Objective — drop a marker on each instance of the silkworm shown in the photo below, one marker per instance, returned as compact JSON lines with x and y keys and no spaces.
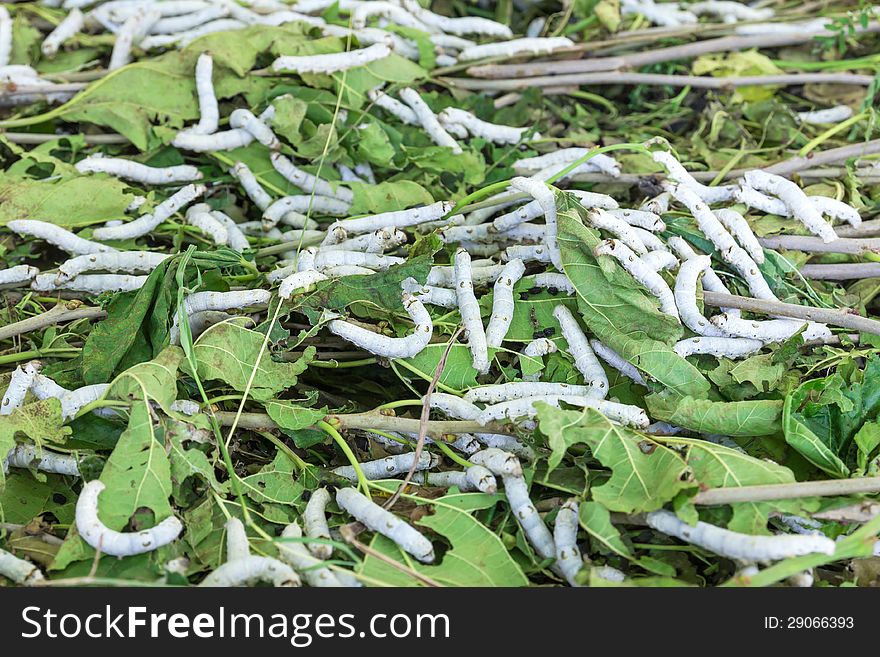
{"x":445,"y":276}
{"x":640,"y":218}
{"x":527,"y":253}
{"x":201,"y":301}
{"x":428,"y":120}
{"x":71,"y":400}
{"x":546,"y":198}
{"x":19,"y":384}
{"x":679,"y":175}
{"x":660,"y":260}
{"x":315,"y":521}
{"x":118,"y":544}
{"x":686,"y":296}
{"x":506,"y":443}
{"x":393,"y":106}
{"x":199,"y":216}
{"x":602,"y":220}
{"x":515,"y":47}
{"x":333,"y":62}
{"x":827,"y":206}
{"x":475,"y":478}
{"x":561,"y":158}
{"x":188,"y":21}
{"x":749,"y":270}
{"x":722,"y":347}
{"x":18,"y":274}
{"x":551,"y":281}
{"x":56,"y":236}
{"x":711,"y":281}
{"x":503,"y":303}
{"x":568,"y":556}
{"x":665,"y":14}
{"x":235,"y":237}
{"x":498,"y":134}
{"x":618,"y":362}
{"x":642,"y":273}
{"x":498,"y":462}
{"x":494,"y":394}
{"x":303,"y":204}
{"x":454,"y":407}
{"x":237,"y":544}
{"x":296,"y":554}
{"x":183,"y":39}
{"x":381,"y":345}
{"x":226,"y":140}
{"x":608,"y":573}
{"x":90,"y":283}
{"x":536,"y":532}
{"x":246,"y":120}
{"x":835,"y":209}
{"x":336,"y":258}
{"x":734,"y":545}
{"x":469,"y":309}
{"x":836,"y":114}
{"x":362,"y":12}
{"x":795,"y":200}
{"x":463,"y":25}
{"x":131,"y":33}
{"x":594,"y":200}
{"x":524,"y":408}
{"x":535,"y":350}
{"x":431,"y":295}
{"x":657,"y":205}
{"x":707,"y":222}
{"x":375,"y":242}
{"x":734,"y":222}
{"x":406,"y":537}
{"x":585,"y":360}
{"x":730,"y":12}
{"x":19,"y":571}
{"x":112,"y":261}
{"x":298,"y":281}
{"x":390,"y":466}
{"x":397,"y":218}
{"x":308,"y":182}
{"x":149,"y":222}
{"x":122,"y":168}
{"x":773,"y":330}
{"x":63,"y":32}
{"x":5,"y":36}
{"x":649,"y":239}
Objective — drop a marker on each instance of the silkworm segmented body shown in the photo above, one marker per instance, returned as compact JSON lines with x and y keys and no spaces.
{"x":503,"y":303}
{"x":514,"y":47}
{"x":618,"y":362}
{"x":722,"y":347}
{"x":469,"y":309}
{"x":112,"y":261}
{"x":568,"y":556}
{"x":385,"y":346}
{"x":390,"y":466}
{"x":428,"y":120}
{"x":122,"y":168}
{"x":315,"y":521}
{"x":333,"y":62}
{"x":527,"y":516}
{"x":149,"y":222}
{"x":57,"y":236}
{"x":686,"y":296}
{"x":774,"y":330}
{"x":297,"y":556}
{"x":642,"y":273}
{"x":584,"y":359}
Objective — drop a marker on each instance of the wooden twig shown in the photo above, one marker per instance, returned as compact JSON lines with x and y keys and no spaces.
{"x":831,"y":156}
{"x":864,"y":229}
{"x":812,"y":244}
{"x":825,"y":488}
{"x":842,"y":272}
{"x":795,"y":311}
{"x":63,"y":312}
{"x":41,"y":138}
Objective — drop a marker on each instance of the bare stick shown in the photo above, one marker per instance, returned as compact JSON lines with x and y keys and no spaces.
{"x":842,"y":272}
{"x":63,"y":312}
{"x":40,"y":138}
{"x":812,"y":244}
{"x":621,"y":77}
{"x":809,"y":313}
{"x":767,"y":492}
{"x":830,"y":156}
{"x":864,"y":229}
{"x":41,"y":89}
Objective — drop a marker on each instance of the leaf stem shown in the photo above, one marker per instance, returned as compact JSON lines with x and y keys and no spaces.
{"x":331,"y":431}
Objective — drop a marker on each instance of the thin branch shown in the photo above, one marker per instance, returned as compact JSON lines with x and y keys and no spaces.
{"x":812,"y":244}
{"x":809,"y":313}
{"x":864,"y":229}
{"x":621,"y":77}
{"x":841,"y":272}
{"x":349,"y":534}
{"x":40,"y":89}
{"x":831,"y":156}
{"x":63,"y":312}
{"x":767,"y":492}
{"x":41,"y":138}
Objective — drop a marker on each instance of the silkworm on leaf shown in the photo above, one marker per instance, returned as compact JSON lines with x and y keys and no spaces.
{"x":548,"y":280}
{"x":397,"y":218}
{"x":445,"y":276}
{"x":19,"y":384}
{"x":237,"y":544}
{"x":527,"y":253}
{"x":428,"y":120}
{"x":469,"y":309}
{"x":251,"y":569}
{"x":584,"y":359}
{"x":686,"y":296}
{"x":130,"y":34}
{"x":640,"y":218}
{"x":315,"y":521}
{"x":624,"y":414}
{"x":594,"y":199}
{"x":225,"y":140}
{"x":602,"y":220}
{"x":722,"y":347}
{"x":711,"y":281}
{"x":113,"y":261}
{"x":503,"y":303}
{"x":5,"y":36}
{"x":527,"y":516}
{"x":246,"y":120}
{"x":336,"y":258}
{"x":545,"y":196}
{"x":534,"y":350}
{"x":199,"y":216}
{"x":57,"y":236}
{"x":381,"y":521}
{"x":707,"y":222}
{"x":129,"y":170}
{"x":498,"y":134}
{"x":836,"y":114}
{"x":749,"y":270}
{"x":149,"y":222}
{"x":297,"y":556}
{"x":560,"y":159}
{"x":63,"y":32}
{"x":390,"y":466}
{"x":773,"y":330}
{"x":118,"y":544}
{"x":568,"y":555}
{"x":494,"y":394}
{"x":235,"y":237}
{"x":333,"y":62}
{"x":475,"y":478}
{"x":660,"y":260}
{"x":90,"y":283}
{"x":795,"y":200}
{"x":308,"y":182}
{"x":385,"y":346}
{"x":679,"y":175}
{"x":618,"y":362}
{"x":734,"y":222}
{"x":454,"y":407}
{"x":298,"y":281}
{"x":12,"y":568}
{"x":515,"y":47}
{"x":18,"y":274}
{"x":642,"y":273}
{"x":463,"y":25}
{"x":431,"y":295}
{"x":734,"y":545}
{"x":261,"y":198}
{"x":393,"y":13}
{"x":730,"y":12}
{"x":393,"y":106}
{"x":498,"y":462}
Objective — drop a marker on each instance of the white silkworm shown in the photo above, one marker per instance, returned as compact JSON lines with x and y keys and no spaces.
{"x":91,"y":283}
{"x":625,"y":414}
{"x":390,"y":466}
{"x":431,"y":295}
{"x":261,"y":198}
{"x":835,"y":209}
{"x":250,"y":569}
{"x":5,"y":36}
{"x":755,"y":199}
{"x":201,"y":301}
{"x":594,"y":199}
{"x":333,"y":62}
{"x":527,"y":253}
{"x":17,"y":570}
{"x":71,"y":400}
{"x":341,"y":271}
{"x":18,"y":274}
{"x":649,"y":239}
{"x":711,"y":281}
{"x":315,"y":521}
{"x":226,"y":140}
{"x":186,"y":406}
{"x":515,"y":47}
{"x":445,"y":276}
{"x":749,"y":270}
{"x":560,"y":159}
{"x":201,"y":322}
{"x":235,"y":238}
{"x":642,"y":273}
{"x":63,"y":32}
{"x":546,"y":198}
{"x":130,"y":34}
{"x":453,"y":42}
{"x":686,"y":297}
{"x":199,"y":216}
{"x":149,"y":222}
{"x":337,"y":258}
{"x":475,"y":478}
{"x":237,"y":544}
{"x":734,"y":545}
{"x":707,"y":222}
{"x":718,"y":346}
{"x":469,"y":309}
{"x":57,"y":236}
{"x":602,"y":220}
{"x":396,"y":15}
{"x":298,"y":281}
{"x":679,"y":175}
{"x":503,"y":303}
{"x":494,"y":394}
{"x":608,"y":573}
{"x":568,"y":556}
{"x":795,"y":200}
{"x":381,"y":345}
{"x":660,"y":260}
{"x":827,"y":206}
{"x":498,"y":462}
{"x":183,"y":39}
{"x":534,"y":351}
{"x":428,"y":120}
{"x":552,"y":281}
{"x":730,"y":12}
{"x":579,"y":348}
{"x":527,"y":516}
{"x":734,"y":222}
{"x":464,"y":25}
{"x":453,"y":406}
{"x":188,"y":21}
{"x":118,"y":544}
{"x":112,"y":261}
{"x":375,"y":242}
{"x":498,"y":134}
{"x":365,"y":171}
{"x":381,"y":521}
{"x":836,"y":114}
{"x":393,"y":106}
{"x":246,"y":120}
{"x":641,"y":219}
{"x":773,"y":330}
{"x":308,"y":182}
{"x":658,"y":204}
{"x":297,"y":555}
{"x":397,"y":218}
{"x":666,"y":13}
{"x":618,"y":362}
{"x":122,"y":168}
{"x":304,"y":204}
{"x":19,"y":384}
